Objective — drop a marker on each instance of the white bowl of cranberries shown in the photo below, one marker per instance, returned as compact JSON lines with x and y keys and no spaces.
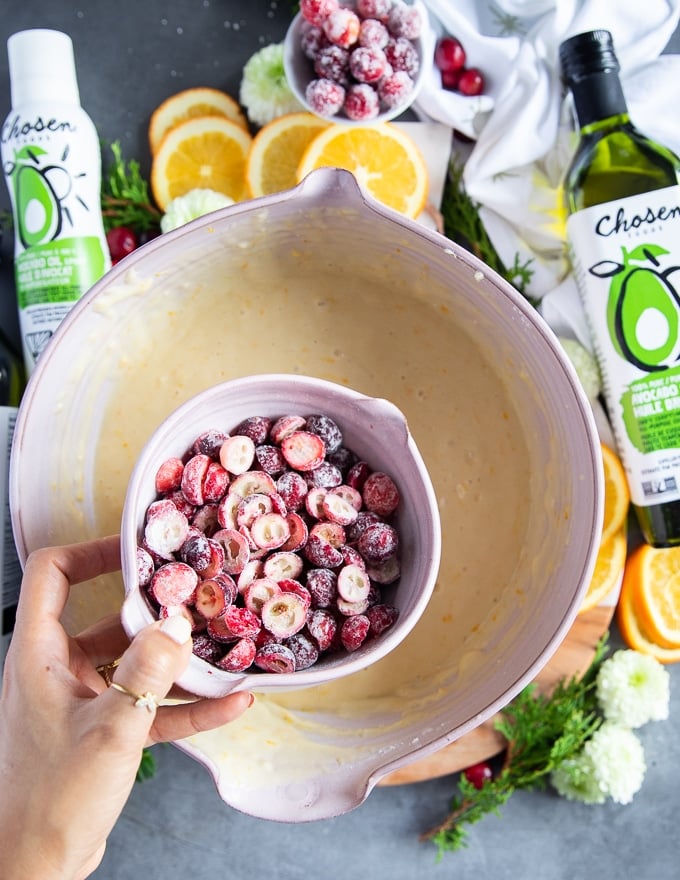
{"x":292,"y":521}
{"x":358,"y":61}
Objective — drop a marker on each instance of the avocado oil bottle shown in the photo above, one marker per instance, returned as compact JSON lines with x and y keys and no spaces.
{"x":623,"y":204}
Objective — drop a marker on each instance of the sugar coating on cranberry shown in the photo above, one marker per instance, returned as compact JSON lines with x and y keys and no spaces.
{"x":342,"y":27}
{"x":404,"y":21}
{"x":269,"y":570}
{"x":378,"y":9}
{"x":325,"y":96}
{"x":333,"y":63}
{"x":395,"y":89}
{"x":373,"y":34}
{"x":402,"y":55}
{"x":327,"y":429}
{"x":362,"y":102}
{"x":368,"y":64}
{"x":315,"y":11}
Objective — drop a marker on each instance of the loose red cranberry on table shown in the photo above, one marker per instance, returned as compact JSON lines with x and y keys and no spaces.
{"x":449,"y":54}
{"x":471,"y":82}
{"x":274,"y":553}
{"x":478,"y":774}
{"x":450,"y":59}
{"x":121,"y":241}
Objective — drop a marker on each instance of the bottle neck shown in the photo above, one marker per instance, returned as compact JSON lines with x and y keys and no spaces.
{"x":598,"y":97}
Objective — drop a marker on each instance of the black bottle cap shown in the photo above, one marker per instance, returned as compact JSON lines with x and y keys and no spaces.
{"x":585,"y":54}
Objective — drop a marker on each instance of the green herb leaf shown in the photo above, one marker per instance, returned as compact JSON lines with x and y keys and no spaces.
{"x":125,"y":199}
{"x":541,"y":732}
{"x":147,"y":766}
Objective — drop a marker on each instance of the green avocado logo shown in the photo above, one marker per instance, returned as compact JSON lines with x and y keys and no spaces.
{"x":643,"y":307}
{"x":41,"y":195}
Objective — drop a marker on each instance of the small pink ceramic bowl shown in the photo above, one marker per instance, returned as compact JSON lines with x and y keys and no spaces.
{"x":372,"y":428}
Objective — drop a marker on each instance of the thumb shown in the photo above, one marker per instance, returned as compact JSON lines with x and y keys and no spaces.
{"x":147,"y":670}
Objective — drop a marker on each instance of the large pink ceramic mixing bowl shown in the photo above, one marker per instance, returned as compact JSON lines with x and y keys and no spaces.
{"x":322,"y":281}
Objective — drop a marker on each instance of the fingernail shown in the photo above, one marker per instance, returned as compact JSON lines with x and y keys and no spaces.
{"x":177,"y":628}
{"x":251,"y":700}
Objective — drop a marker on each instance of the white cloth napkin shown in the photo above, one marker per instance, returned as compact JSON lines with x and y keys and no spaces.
{"x":523,"y":125}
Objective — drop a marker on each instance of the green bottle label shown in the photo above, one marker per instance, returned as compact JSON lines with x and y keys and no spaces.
{"x":58,"y":272}
{"x":52,"y":167}
{"x":626,"y":258}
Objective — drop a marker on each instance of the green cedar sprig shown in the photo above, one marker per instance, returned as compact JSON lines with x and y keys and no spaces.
{"x":463,"y":225}
{"x":147,"y":766}
{"x":125,"y":196}
{"x":541,"y":731}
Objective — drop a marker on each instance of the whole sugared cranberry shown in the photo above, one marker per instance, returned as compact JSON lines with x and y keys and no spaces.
{"x":449,"y":54}
{"x":332,"y":62}
{"x":404,"y":21}
{"x":325,"y":97}
{"x":367,"y":64}
{"x":394,"y":90}
{"x":312,"y":41}
{"x":373,"y":33}
{"x":402,"y":55}
{"x":361,"y":102}
{"x":315,"y":11}
{"x":379,"y":9}
{"x":471,"y":82}
{"x":342,"y":27}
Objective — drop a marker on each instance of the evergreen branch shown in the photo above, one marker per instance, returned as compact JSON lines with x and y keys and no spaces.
{"x":463,"y":225}
{"x":125,"y":199}
{"x":147,"y":766}
{"x":541,"y":732}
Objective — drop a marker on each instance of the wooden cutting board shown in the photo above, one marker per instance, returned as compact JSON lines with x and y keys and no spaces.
{"x":572,"y":658}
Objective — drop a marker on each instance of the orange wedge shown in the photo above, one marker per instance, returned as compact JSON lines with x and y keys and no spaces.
{"x":646,"y":576}
{"x":616,"y":493}
{"x":385,"y":161}
{"x":190,"y":104}
{"x":611,"y":559}
{"x":208,"y":152}
{"x":277,"y":150}
{"x":653,"y":575}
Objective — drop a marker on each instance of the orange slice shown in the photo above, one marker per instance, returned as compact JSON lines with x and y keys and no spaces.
{"x":633,"y":628}
{"x":385,"y":161}
{"x":653,"y":575}
{"x":277,"y":150}
{"x":204,"y":153}
{"x":616,"y":493}
{"x":190,"y":104}
{"x":609,"y":566}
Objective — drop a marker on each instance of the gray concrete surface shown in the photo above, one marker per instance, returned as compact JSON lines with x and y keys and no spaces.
{"x":130,"y":56}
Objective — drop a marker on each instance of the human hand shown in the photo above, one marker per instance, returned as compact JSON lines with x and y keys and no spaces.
{"x":69,"y":746}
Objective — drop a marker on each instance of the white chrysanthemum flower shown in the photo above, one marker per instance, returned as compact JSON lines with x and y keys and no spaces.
{"x":193,"y":204}
{"x":575,"y":780}
{"x":632,"y":689}
{"x":265,"y":92}
{"x":585,"y":365}
{"x":618,"y":761}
